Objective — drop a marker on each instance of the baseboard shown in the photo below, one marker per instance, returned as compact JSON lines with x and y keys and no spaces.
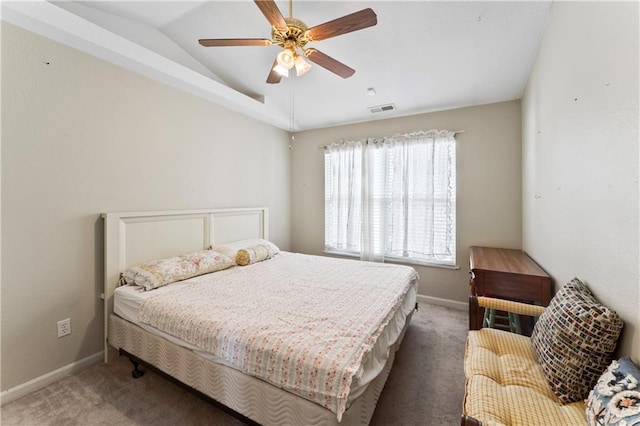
{"x":39,"y":382}
{"x":443,"y":302}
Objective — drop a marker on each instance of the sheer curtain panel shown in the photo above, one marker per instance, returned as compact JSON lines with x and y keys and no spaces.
{"x":343,"y":196}
{"x":392,"y":197}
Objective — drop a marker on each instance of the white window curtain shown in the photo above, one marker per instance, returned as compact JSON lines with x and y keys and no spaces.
{"x":392,"y":197}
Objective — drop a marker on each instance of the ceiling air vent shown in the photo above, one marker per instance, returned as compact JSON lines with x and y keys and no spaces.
{"x":382,"y":108}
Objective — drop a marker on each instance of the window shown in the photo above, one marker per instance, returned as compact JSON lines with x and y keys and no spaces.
{"x":392,"y":198}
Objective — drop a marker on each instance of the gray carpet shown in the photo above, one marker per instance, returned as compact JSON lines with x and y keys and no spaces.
{"x":425,"y":387}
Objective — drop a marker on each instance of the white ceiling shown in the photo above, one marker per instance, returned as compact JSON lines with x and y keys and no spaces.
{"x":421,"y":56}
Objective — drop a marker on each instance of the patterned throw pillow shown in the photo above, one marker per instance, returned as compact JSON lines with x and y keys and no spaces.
{"x":615,"y":400}
{"x":161,"y":272}
{"x":574,"y":339}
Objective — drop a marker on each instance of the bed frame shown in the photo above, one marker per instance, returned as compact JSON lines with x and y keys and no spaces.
{"x":135,"y":237}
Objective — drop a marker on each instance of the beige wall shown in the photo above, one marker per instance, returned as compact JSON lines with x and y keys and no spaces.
{"x":80,"y":137}
{"x":580,"y":155}
{"x":488,"y":184}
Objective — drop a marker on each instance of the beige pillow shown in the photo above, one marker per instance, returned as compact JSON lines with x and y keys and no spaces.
{"x":231,"y":249}
{"x":253,"y":254}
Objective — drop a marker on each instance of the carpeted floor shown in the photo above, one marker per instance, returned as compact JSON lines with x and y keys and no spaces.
{"x":425,"y":387}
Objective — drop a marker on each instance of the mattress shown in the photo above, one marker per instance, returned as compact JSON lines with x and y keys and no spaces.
{"x":129,"y":300}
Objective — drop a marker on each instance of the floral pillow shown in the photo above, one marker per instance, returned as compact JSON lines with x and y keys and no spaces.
{"x":615,"y":400}
{"x":161,"y":272}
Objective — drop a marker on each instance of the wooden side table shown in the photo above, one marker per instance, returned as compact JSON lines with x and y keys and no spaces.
{"x":508,"y":274}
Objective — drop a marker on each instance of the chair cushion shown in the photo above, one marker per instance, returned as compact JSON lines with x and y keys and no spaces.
{"x":506,"y":386}
{"x":574,"y":340}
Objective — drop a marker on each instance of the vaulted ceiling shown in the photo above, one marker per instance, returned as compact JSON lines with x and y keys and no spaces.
{"x":421,"y":56}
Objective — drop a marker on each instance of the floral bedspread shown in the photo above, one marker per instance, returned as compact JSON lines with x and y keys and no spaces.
{"x":303,"y":323}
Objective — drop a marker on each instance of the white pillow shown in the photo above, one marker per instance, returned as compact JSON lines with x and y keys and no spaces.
{"x":231,"y":249}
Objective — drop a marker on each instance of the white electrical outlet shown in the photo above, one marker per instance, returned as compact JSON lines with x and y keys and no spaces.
{"x":64,"y":327}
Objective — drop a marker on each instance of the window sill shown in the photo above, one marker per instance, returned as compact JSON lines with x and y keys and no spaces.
{"x":395,"y":260}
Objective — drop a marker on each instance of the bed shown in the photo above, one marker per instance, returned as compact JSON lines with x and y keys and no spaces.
{"x":266,"y":388}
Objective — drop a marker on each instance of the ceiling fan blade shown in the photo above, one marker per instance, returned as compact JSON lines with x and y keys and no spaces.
{"x":274,"y":77}
{"x":221,"y":42}
{"x":329,"y":63}
{"x":270,"y":11}
{"x":353,"y":22}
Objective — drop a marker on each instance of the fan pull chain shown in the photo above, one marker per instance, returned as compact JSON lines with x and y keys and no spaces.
{"x":292,"y":105}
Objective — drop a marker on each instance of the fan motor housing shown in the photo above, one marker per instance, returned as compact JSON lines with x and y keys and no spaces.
{"x":295,"y":32}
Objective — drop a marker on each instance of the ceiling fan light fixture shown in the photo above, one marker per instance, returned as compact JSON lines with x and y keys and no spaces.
{"x":286,"y":58}
{"x":283,"y":71}
{"x":302,"y":66}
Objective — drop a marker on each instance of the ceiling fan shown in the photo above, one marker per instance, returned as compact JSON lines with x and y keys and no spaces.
{"x":293,"y":35}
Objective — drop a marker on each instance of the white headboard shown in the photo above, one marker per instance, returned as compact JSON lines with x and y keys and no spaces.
{"x":131,"y":238}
